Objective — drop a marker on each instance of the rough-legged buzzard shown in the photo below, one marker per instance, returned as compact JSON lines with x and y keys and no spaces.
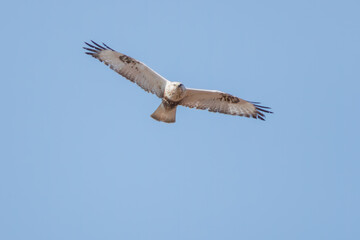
{"x":173,"y":93}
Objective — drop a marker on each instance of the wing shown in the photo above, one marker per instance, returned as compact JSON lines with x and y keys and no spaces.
{"x":216,"y":101}
{"x":129,"y":68}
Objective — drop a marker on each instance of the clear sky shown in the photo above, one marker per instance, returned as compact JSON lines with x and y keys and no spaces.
{"x":81,"y":158}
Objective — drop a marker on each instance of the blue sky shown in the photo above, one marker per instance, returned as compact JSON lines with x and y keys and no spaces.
{"x":81,"y":158}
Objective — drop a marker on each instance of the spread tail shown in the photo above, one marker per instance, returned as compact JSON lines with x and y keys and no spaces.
{"x":166,"y":112}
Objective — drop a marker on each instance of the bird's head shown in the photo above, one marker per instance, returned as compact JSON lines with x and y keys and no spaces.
{"x":175,"y":91}
{"x":180,"y":86}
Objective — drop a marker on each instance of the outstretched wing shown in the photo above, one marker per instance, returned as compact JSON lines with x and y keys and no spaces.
{"x":129,"y":68}
{"x":216,"y":101}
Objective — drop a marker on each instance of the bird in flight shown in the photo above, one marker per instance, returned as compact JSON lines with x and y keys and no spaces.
{"x":173,"y":93}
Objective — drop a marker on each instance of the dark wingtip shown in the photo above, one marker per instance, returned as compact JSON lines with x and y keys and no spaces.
{"x":98,"y":45}
{"x":95,"y":47}
{"x":108,"y":47}
{"x":260,"y":110}
{"x":261,"y":118}
{"x":89,"y":49}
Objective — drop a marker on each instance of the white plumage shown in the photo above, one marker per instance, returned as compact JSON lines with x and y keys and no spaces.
{"x":173,"y":93}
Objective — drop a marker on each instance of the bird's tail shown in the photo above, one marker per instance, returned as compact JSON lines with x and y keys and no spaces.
{"x":166,"y":112}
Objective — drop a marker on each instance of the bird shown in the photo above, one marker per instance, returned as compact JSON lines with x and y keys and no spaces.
{"x":171,"y":93}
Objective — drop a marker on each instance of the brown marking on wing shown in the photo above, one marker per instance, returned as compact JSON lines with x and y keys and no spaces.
{"x":128,"y":60}
{"x":228,"y":98}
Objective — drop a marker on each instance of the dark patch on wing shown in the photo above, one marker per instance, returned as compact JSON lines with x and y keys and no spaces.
{"x":229,"y":98}
{"x":127,"y":59}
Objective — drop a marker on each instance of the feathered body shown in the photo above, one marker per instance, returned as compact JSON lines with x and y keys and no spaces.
{"x":173,"y":93}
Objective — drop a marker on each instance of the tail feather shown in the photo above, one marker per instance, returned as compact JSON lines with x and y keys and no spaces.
{"x":166,"y":112}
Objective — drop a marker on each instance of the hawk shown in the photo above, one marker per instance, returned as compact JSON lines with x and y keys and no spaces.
{"x":173,"y":93}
